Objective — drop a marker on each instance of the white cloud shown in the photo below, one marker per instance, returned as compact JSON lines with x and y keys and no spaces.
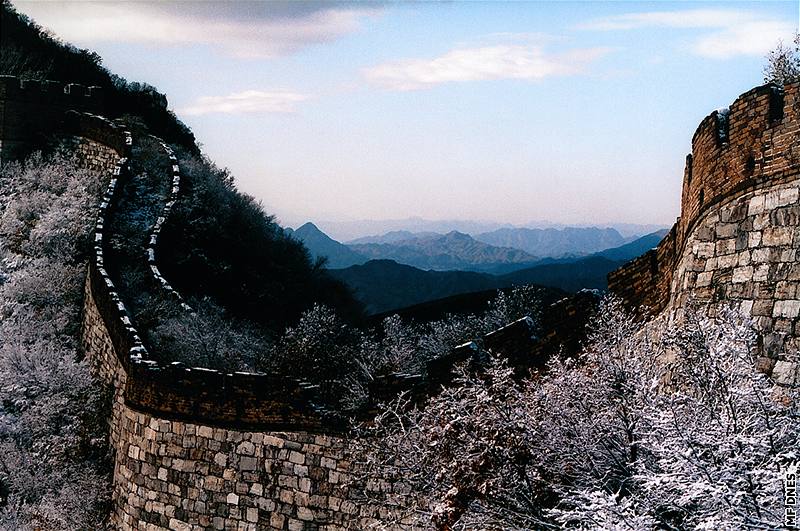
{"x":474,"y":64}
{"x":690,"y":18}
{"x":247,"y":102}
{"x":241,"y":29}
{"x":732,"y":32}
{"x":753,"y":38}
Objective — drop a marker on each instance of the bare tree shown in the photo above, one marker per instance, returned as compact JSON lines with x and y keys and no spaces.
{"x":54,"y":467}
{"x":783,"y":63}
{"x":665,"y":426}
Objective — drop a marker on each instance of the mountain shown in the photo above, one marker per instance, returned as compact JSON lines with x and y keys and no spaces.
{"x":590,"y":272}
{"x":347,"y":231}
{"x":554,"y":242}
{"x":627,"y":230}
{"x":394,"y":237}
{"x":636,"y":248}
{"x":320,"y":244}
{"x":474,"y":302}
{"x":454,"y":250}
{"x":385,"y":285}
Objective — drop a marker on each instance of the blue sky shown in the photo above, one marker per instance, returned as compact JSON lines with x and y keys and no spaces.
{"x":513,"y":112}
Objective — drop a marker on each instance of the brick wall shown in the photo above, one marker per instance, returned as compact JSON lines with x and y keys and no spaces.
{"x":753,"y":144}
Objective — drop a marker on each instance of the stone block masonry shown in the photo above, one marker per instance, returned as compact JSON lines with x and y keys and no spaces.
{"x":738,"y":235}
{"x":176,"y":475}
{"x":746,"y":252}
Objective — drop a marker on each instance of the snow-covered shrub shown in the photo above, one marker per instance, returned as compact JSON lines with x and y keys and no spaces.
{"x":325,"y":351}
{"x":209,"y":338}
{"x":665,"y":426}
{"x":54,"y":468}
{"x":412,"y":345}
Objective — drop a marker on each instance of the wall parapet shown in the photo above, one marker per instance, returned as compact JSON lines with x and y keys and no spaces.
{"x":32,"y":111}
{"x":175,"y":189}
{"x":751,"y":144}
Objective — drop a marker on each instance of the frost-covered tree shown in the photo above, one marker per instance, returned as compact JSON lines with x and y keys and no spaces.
{"x":54,"y":468}
{"x":783,"y":63}
{"x":207,"y":337}
{"x":325,"y":351}
{"x":466,"y":453}
{"x":665,"y":426}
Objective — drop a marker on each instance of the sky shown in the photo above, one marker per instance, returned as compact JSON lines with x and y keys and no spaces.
{"x":516,"y":112}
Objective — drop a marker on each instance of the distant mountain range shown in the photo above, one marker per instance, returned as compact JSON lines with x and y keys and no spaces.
{"x":635,"y":248}
{"x":385,"y":285}
{"x":454,"y":250}
{"x":403,"y":268}
{"x":554,"y":242}
{"x":393,"y":237}
{"x":498,"y":252}
{"x":346,"y":231}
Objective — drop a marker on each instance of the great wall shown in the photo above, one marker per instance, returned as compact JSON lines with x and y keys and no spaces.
{"x":738,"y":233}
{"x":200,"y":449}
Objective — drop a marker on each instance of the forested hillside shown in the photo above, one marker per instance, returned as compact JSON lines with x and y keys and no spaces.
{"x":30,"y":52}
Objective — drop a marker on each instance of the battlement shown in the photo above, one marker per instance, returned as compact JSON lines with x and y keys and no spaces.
{"x":69,"y":95}
{"x":753,"y":144}
{"x":31,"y":112}
{"x":739,"y":147}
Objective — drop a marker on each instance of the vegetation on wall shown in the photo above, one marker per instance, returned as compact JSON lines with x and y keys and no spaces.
{"x":783,"y":63}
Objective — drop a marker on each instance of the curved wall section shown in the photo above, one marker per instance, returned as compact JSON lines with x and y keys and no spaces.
{"x":177,"y":475}
{"x":753,"y":144}
{"x":746,"y":251}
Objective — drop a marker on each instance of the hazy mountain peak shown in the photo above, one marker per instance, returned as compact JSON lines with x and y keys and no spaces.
{"x":320,"y":244}
{"x":310,"y":227}
{"x":567,"y":241}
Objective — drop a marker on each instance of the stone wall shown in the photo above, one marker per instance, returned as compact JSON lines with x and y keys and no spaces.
{"x":193,"y":448}
{"x":32,"y":112}
{"x":196,"y":448}
{"x":175,"y":474}
{"x":754,"y":143}
{"x":738,"y":235}
{"x":95,"y":140}
{"x":745,"y":252}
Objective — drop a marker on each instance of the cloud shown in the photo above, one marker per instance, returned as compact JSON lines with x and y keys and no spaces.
{"x":241,"y":29}
{"x":247,"y":102}
{"x":506,"y":61}
{"x":733,"y":32}
{"x":691,"y":18}
{"x":754,"y":38}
